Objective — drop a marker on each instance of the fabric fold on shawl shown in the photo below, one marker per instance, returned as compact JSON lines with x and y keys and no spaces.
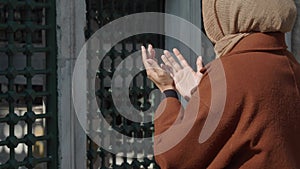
{"x":226,"y":22}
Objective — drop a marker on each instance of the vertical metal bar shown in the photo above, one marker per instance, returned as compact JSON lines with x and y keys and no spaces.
{"x":88,"y":34}
{"x":11,"y":81}
{"x":29,"y":79}
{"x":51,"y":60}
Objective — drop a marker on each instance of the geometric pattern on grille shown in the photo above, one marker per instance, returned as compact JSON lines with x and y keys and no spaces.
{"x":99,"y":13}
{"x":28,"y":103}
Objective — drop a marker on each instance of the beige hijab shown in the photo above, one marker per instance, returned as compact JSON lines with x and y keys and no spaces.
{"x":227,"y":21}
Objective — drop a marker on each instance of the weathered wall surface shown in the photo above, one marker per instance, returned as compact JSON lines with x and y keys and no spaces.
{"x":70,"y":39}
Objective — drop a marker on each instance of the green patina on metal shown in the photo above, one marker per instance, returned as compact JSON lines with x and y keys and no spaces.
{"x":28,"y":83}
{"x":99,"y":13}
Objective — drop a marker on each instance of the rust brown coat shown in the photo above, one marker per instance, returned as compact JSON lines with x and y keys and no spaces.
{"x":260,"y":126}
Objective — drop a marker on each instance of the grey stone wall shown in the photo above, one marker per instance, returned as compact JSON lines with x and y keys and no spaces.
{"x":70,"y":39}
{"x":296,"y":34}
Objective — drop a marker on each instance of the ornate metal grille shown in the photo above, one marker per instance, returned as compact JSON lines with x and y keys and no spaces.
{"x":99,"y":13}
{"x":28,"y":113}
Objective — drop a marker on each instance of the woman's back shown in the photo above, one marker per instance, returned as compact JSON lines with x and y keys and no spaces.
{"x":260,"y":122}
{"x":263,"y":81}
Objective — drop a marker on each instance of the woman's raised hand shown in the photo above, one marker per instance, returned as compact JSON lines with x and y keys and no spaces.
{"x":159,"y":76}
{"x":185,"y":78}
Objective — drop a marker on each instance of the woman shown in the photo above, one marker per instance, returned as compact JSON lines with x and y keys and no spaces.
{"x":259,"y":127}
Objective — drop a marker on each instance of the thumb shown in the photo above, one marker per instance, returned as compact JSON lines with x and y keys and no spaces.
{"x":199,"y":63}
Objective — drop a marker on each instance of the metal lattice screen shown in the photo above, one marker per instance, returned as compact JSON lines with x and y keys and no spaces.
{"x":28,"y":114}
{"x":99,"y":13}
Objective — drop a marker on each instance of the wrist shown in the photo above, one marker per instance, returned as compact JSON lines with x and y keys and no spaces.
{"x":165,"y":88}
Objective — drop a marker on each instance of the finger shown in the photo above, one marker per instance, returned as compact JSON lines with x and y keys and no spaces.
{"x":151,"y":52}
{"x":172,"y":61}
{"x":199,"y":63}
{"x":168,"y":63}
{"x":144,"y":55}
{"x":181,"y":59}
